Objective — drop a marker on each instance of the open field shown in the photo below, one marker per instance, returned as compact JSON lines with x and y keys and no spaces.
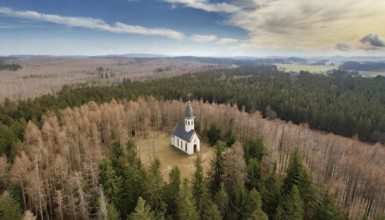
{"x":321,"y":69}
{"x":157,"y":145}
{"x":46,"y":75}
{"x":371,"y":73}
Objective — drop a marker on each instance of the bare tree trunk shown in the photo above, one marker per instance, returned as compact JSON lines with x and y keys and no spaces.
{"x":60,"y":203}
{"x":39,"y":194}
{"x":82,"y":200}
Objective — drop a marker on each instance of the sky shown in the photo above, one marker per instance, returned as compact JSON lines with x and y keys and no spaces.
{"x":221,"y":28}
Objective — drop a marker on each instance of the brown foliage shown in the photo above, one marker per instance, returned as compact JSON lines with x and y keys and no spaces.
{"x":234,"y":165}
{"x":57,"y":167}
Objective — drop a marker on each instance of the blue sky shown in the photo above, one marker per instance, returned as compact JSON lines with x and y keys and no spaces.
{"x":193,"y":27}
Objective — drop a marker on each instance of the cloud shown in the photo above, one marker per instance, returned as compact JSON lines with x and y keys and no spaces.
{"x":203,"y":38}
{"x":373,"y":40}
{"x":91,"y":23}
{"x":206,"y":5}
{"x":342,"y":47}
{"x":311,"y":25}
{"x":227,"y":41}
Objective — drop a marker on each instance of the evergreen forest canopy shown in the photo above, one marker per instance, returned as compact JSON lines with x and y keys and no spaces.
{"x":342,"y":105}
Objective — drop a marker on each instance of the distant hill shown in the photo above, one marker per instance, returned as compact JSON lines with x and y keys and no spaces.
{"x":132,"y":56}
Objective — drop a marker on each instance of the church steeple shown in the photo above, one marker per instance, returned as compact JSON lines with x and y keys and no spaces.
{"x":189,"y":118}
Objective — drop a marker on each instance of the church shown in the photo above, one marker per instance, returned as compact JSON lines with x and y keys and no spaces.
{"x":184,"y":137}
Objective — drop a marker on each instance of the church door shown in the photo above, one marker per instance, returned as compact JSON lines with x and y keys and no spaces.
{"x":195,"y":148}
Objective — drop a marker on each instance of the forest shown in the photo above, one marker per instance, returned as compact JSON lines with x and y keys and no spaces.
{"x":363,"y":66}
{"x":351,"y":107}
{"x":60,"y":166}
{"x":65,"y":156}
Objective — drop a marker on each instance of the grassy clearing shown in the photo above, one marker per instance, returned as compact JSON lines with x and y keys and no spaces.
{"x":320,"y":69}
{"x":371,"y":74}
{"x":157,"y":145}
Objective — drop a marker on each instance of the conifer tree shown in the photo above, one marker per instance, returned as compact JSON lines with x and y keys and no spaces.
{"x":213,"y":134}
{"x":253,"y":174}
{"x":9,"y":208}
{"x":142,"y":211}
{"x":222,"y":200}
{"x":298,"y":175}
{"x":187,"y":208}
{"x":111,"y":182}
{"x":253,"y":207}
{"x":254,"y":149}
{"x":112,"y":213}
{"x":132,"y":155}
{"x":216,"y":170}
{"x":246,"y":205}
{"x":172,"y":192}
{"x":135,"y":179}
{"x":271,"y":192}
{"x":154,"y":188}
{"x":210,"y":211}
{"x":118,"y":160}
{"x":230,"y":138}
{"x":290,"y":207}
{"x":199,"y":189}
{"x":328,"y":210}
{"x":237,"y":204}
{"x":206,"y":208}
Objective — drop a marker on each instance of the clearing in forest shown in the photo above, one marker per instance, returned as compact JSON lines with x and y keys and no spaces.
{"x":157,"y":145}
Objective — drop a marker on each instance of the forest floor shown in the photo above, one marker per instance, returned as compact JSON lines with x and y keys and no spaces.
{"x":157,"y":145}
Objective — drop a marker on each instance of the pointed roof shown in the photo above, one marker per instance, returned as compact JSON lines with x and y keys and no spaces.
{"x":189,"y":111}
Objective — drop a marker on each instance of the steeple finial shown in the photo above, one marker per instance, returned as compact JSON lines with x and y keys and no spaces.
{"x":189,"y":111}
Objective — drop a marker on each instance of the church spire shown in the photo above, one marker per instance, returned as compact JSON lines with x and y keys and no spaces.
{"x":189,"y":118}
{"x":189,"y":111}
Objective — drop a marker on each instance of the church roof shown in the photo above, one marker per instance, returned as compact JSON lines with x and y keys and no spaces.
{"x":181,"y":133}
{"x":189,"y":111}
